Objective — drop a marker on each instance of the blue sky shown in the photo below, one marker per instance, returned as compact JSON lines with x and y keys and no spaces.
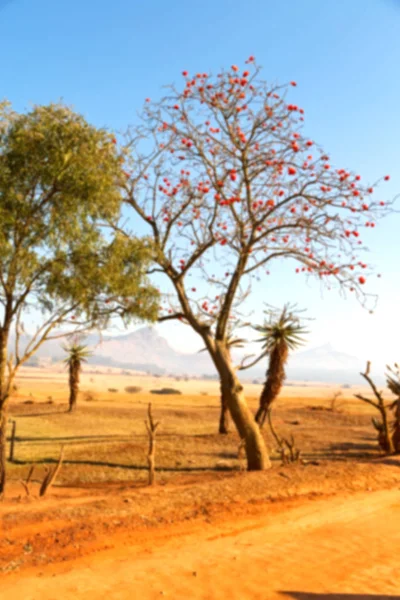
{"x":104,"y":58}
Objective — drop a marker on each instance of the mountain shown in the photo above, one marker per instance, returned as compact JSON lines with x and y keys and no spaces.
{"x":142,"y":350}
{"x":324,"y":357}
{"x":324,"y":363}
{"x":146,"y":350}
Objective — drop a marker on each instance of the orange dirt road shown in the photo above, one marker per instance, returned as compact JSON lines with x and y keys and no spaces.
{"x":343,"y":547}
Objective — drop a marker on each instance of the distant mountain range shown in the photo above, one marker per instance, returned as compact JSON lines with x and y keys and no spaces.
{"x":146,"y":350}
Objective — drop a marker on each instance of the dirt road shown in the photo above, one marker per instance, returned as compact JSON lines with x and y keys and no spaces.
{"x":342,"y":547}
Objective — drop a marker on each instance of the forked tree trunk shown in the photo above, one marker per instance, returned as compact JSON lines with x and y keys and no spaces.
{"x":224,"y":414}
{"x":249,"y":431}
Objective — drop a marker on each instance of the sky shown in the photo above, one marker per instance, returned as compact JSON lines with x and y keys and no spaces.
{"x":104,"y":58}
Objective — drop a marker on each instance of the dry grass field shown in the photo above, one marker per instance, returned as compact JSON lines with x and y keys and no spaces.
{"x":105,"y":439}
{"x":100,"y":510}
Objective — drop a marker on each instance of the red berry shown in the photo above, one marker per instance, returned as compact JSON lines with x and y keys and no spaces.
{"x":361,"y":280}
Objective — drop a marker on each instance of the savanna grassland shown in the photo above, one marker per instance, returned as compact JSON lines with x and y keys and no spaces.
{"x":106,"y":441}
{"x":101,"y":509}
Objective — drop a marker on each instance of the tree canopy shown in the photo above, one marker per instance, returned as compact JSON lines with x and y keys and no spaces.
{"x":231,"y":183}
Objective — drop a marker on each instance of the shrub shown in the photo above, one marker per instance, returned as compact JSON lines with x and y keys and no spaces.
{"x":166,"y":391}
{"x":90,"y":397}
{"x":133,"y":389}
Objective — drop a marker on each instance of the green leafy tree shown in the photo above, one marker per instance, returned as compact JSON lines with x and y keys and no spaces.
{"x":280,"y":333}
{"x":76,"y":355}
{"x":60,"y":183}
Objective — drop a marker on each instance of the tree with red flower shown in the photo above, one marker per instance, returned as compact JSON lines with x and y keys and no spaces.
{"x":229,"y":185}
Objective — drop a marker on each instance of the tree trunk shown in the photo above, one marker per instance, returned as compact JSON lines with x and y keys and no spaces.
{"x":261,"y":413}
{"x":274,"y":382}
{"x":73,"y":386}
{"x":72,"y":400}
{"x":386,"y":430}
{"x":3,"y":409}
{"x":12,"y":441}
{"x":224,"y":415}
{"x":256,"y":451}
{"x":396,"y":427}
{"x":3,"y":446}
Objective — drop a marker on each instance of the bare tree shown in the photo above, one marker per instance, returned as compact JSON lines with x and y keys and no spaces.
{"x":228,"y":184}
{"x":385,"y":438}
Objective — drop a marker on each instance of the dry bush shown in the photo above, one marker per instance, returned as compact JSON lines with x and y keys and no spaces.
{"x":112,"y":390}
{"x":90,"y":397}
{"x":335,"y":406}
{"x":133,"y":389}
{"x":287,"y":449}
{"x":384,"y":435}
{"x":51,"y":474}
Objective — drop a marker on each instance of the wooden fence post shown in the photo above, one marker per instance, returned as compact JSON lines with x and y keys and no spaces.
{"x":151,"y":430}
{"x":12,"y":441}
